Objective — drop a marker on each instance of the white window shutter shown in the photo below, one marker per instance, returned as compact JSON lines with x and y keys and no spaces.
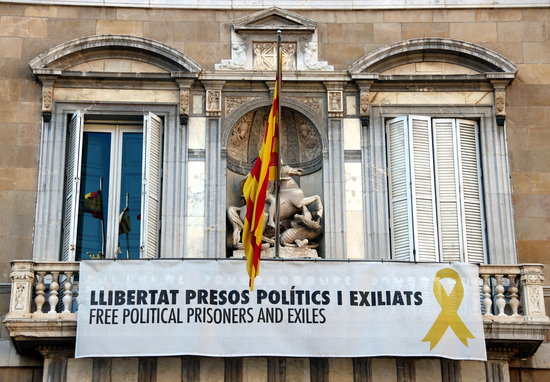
{"x":400,"y":191}
{"x":72,"y":186}
{"x":423,"y":193}
{"x":470,"y":174}
{"x":447,"y":189}
{"x":150,"y":208}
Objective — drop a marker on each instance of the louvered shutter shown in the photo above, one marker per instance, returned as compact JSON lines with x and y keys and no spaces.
{"x":150,"y":209}
{"x":447,"y":189}
{"x":400,"y":192}
{"x":470,"y":171}
{"x":423,"y":193}
{"x":72,"y":186}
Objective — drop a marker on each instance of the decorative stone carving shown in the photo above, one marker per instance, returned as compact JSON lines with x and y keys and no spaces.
{"x":213,"y":104}
{"x":231,"y":103}
{"x":238,"y":140}
{"x":23,"y":276}
{"x":313,"y":103}
{"x":265,"y":55}
{"x":301,"y":144}
{"x":238,"y":57}
{"x":19,"y":298}
{"x":47,"y":98}
{"x":311,"y":62}
{"x":500,"y":101}
{"x":298,"y":226}
{"x":532,"y":295}
{"x":306,"y":135}
{"x":184,"y":102}
{"x":365,"y":103}
{"x":335,"y":101}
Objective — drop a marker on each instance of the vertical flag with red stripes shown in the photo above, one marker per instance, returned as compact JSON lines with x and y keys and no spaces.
{"x":255,"y":188}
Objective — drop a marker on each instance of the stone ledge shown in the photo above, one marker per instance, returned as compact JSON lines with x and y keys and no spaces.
{"x":515,"y":339}
{"x":30,"y":335}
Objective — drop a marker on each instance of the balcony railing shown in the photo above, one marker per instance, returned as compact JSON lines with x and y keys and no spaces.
{"x":44,"y":299}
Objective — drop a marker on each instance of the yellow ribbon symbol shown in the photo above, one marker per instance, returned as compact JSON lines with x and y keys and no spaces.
{"x":449,"y":306}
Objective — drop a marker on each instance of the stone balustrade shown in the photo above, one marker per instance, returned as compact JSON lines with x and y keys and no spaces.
{"x":512,"y":293}
{"x":44,"y":297}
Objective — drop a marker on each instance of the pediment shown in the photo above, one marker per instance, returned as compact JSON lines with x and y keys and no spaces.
{"x":274,"y":19}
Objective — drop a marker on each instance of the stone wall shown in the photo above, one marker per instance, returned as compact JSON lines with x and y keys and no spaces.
{"x":521,"y":35}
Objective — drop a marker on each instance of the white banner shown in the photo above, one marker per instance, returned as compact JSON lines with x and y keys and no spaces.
{"x":298,"y":309}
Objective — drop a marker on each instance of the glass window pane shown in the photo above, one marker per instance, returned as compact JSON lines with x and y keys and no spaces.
{"x":130,"y":196}
{"x":94,"y":194}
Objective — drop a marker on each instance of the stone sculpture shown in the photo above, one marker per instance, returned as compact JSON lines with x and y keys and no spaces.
{"x":299,"y":226}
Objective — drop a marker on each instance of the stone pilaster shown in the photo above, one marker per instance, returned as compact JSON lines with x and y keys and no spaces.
{"x":215,"y":186}
{"x":532,"y":293}
{"x":22,"y":277}
{"x":55,"y":363}
{"x":335,"y":191}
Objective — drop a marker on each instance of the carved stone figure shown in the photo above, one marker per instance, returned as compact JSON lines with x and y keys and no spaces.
{"x":311,"y":62}
{"x":212,"y":100}
{"x":299,"y":227}
{"x":237,"y":60}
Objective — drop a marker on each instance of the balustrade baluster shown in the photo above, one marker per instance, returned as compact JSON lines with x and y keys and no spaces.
{"x":40,"y":288}
{"x":68,"y":293}
{"x":499,"y":290}
{"x":487,"y":301}
{"x":54,"y":290}
{"x":513,"y":291}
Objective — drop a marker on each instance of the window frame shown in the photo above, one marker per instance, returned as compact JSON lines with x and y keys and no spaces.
{"x":48,"y":233}
{"x":500,"y":239}
{"x":453,"y":209}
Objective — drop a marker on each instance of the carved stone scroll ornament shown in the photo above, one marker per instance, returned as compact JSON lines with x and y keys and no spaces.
{"x":298,"y":226}
{"x":47,"y":100}
{"x":365,"y":102}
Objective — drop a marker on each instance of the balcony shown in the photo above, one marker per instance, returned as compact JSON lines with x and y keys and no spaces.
{"x":44,"y":301}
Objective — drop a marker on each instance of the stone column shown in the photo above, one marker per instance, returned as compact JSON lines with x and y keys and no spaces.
{"x":334,"y":175}
{"x":55,"y":363}
{"x":215,"y":194}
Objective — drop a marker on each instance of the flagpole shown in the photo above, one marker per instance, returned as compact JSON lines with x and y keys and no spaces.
{"x":128,"y":232}
{"x":278,"y":180}
{"x":102,"y":218}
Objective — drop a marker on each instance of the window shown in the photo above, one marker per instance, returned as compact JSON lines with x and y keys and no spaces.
{"x":112,"y":200}
{"x":435,"y":200}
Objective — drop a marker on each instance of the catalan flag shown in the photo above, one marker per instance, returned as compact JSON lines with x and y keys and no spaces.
{"x":255,"y":189}
{"x":93,"y":204}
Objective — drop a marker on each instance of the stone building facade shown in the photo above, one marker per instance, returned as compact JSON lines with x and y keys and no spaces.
{"x":358,"y":79}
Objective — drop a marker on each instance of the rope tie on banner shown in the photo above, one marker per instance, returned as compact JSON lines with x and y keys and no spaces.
{"x":448,"y":317}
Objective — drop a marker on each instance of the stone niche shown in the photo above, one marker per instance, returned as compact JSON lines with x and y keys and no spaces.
{"x":301,"y":147}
